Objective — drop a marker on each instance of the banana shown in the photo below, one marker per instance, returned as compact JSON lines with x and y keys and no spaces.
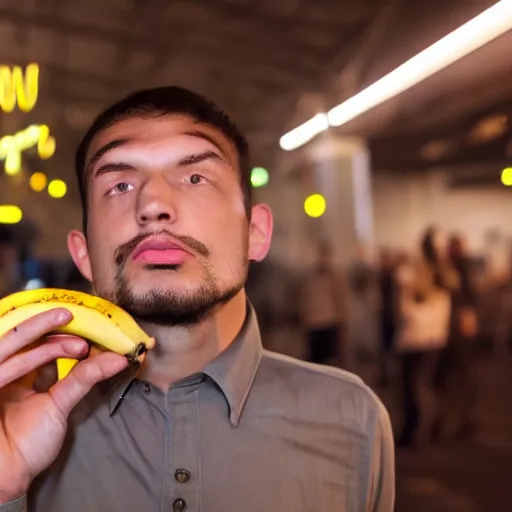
{"x":95,"y":319}
{"x":118,"y":315}
{"x":64,"y":366}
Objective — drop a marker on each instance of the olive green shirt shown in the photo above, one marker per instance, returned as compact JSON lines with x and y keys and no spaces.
{"x":254,"y":432}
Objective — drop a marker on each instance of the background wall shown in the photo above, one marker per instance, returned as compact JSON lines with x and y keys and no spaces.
{"x":404,"y":205}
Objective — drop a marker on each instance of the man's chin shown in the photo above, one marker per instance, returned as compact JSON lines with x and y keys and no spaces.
{"x":164,"y":309}
{"x":161,"y":306}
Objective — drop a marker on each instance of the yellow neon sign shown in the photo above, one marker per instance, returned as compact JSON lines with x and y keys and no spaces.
{"x":11,"y":146}
{"x":18,"y":88}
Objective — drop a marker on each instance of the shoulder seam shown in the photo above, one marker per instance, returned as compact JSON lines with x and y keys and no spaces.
{"x":327,"y":371}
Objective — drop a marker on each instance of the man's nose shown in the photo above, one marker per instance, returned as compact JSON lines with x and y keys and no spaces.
{"x":156,"y":203}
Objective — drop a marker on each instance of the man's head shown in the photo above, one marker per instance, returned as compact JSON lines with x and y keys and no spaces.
{"x":164,"y":178}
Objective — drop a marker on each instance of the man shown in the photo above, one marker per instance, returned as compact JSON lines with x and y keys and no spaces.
{"x":323,"y":303}
{"x":211,"y":422}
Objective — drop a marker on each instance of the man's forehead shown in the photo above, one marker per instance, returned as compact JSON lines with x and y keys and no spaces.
{"x":145,"y":128}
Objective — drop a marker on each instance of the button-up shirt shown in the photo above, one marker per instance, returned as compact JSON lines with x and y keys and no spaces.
{"x":254,"y":432}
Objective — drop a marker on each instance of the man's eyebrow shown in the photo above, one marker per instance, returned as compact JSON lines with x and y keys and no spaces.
{"x":111,"y":167}
{"x":105,"y":149}
{"x":197,"y":158}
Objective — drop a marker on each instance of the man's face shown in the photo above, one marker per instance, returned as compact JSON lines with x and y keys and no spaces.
{"x":168,"y":235}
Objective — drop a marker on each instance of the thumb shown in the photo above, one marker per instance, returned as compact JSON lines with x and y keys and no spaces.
{"x":68,"y":392}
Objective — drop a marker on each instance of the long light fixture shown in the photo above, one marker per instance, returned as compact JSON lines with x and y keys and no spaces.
{"x":304,"y":133}
{"x":487,"y":26}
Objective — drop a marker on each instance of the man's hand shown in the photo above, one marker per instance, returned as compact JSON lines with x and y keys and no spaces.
{"x":33,"y":425}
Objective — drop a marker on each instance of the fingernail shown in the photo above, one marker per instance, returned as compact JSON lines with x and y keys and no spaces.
{"x":76,"y":346}
{"x":65,"y":316}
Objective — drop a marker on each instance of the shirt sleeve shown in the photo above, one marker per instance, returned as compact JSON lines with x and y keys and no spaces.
{"x":382,"y":486}
{"x":17,"y":505}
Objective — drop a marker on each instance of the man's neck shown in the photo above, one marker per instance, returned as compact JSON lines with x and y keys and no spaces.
{"x":184,"y":351}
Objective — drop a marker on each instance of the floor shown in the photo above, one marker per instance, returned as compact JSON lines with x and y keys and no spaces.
{"x":466,"y":476}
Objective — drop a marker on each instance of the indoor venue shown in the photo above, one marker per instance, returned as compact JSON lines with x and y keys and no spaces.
{"x":380,"y":136}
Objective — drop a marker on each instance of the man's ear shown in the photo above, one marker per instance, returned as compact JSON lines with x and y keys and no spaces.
{"x":260,"y":235}
{"x":77,"y":247}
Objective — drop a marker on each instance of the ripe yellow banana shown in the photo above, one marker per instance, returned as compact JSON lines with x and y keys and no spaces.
{"x":94,"y":319}
{"x":42,"y":295}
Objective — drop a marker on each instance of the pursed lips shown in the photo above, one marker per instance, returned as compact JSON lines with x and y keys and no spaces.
{"x":160,"y":251}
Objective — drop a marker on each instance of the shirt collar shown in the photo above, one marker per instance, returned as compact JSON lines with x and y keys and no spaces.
{"x":233,"y":371}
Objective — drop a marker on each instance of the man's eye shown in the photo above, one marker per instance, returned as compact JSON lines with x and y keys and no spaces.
{"x":120,"y":188}
{"x":195,"y":179}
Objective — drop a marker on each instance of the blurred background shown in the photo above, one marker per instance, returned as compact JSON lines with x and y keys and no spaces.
{"x":385,"y":152}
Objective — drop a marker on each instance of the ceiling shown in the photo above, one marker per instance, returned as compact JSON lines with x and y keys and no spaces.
{"x":270,"y":64}
{"x":461,"y":116}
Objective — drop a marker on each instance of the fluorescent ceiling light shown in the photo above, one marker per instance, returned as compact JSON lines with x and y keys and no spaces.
{"x":303,"y":133}
{"x":487,"y":26}
{"x":492,"y":23}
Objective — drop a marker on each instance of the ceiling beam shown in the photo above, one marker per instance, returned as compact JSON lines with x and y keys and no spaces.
{"x":365,"y":49}
{"x":72,"y":28}
{"x":341,"y":15}
{"x":160,"y":43}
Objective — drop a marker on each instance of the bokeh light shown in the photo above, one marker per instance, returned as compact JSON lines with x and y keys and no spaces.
{"x":10,"y":214}
{"x":259,"y":177}
{"x":506,"y":177}
{"x":315,"y":205}
{"x":46,"y":144}
{"x":38,"y":181}
{"x":13,"y":163}
{"x":57,"y":189}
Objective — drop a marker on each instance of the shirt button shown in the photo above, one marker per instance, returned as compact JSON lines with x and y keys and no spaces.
{"x":146,"y":389}
{"x":179,"y":505}
{"x":182,"y":475}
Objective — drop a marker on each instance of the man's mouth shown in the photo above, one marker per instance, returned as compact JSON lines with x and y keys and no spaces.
{"x":160,"y":251}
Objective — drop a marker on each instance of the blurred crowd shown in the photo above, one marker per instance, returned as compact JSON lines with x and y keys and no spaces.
{"x":21,"y":269}
{"x":429,"y":321}
{"x":421,"y":318}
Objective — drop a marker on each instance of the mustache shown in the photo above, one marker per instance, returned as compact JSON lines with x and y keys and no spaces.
{"x":123,"y":252}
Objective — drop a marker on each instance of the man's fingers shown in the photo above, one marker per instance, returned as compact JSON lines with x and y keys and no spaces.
{"x":69,"y":391}
{"x":31,"y":330}
{"x":46,"y":376}
{"x":24,"y":363}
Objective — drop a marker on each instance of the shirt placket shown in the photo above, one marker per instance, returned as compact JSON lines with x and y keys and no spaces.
{"x":183,"y":477}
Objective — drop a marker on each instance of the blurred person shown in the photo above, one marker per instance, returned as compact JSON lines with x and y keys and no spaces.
{"x":210,"y":419}
{"x":458,"y":381}
{"x":10,"y":267}
{"x":33,"y":272}
{"x":258,"y":290}
{"x":323,"y":309}
{"x":423,"y":330}
{"x":271,"y":289}
{"x":74,"y":280}
{"x":495,"y":304}
{"x":363,"y":312}
{"x":501,"y":336}
{"x":497,"y":256}
{"x":388,"y":285}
